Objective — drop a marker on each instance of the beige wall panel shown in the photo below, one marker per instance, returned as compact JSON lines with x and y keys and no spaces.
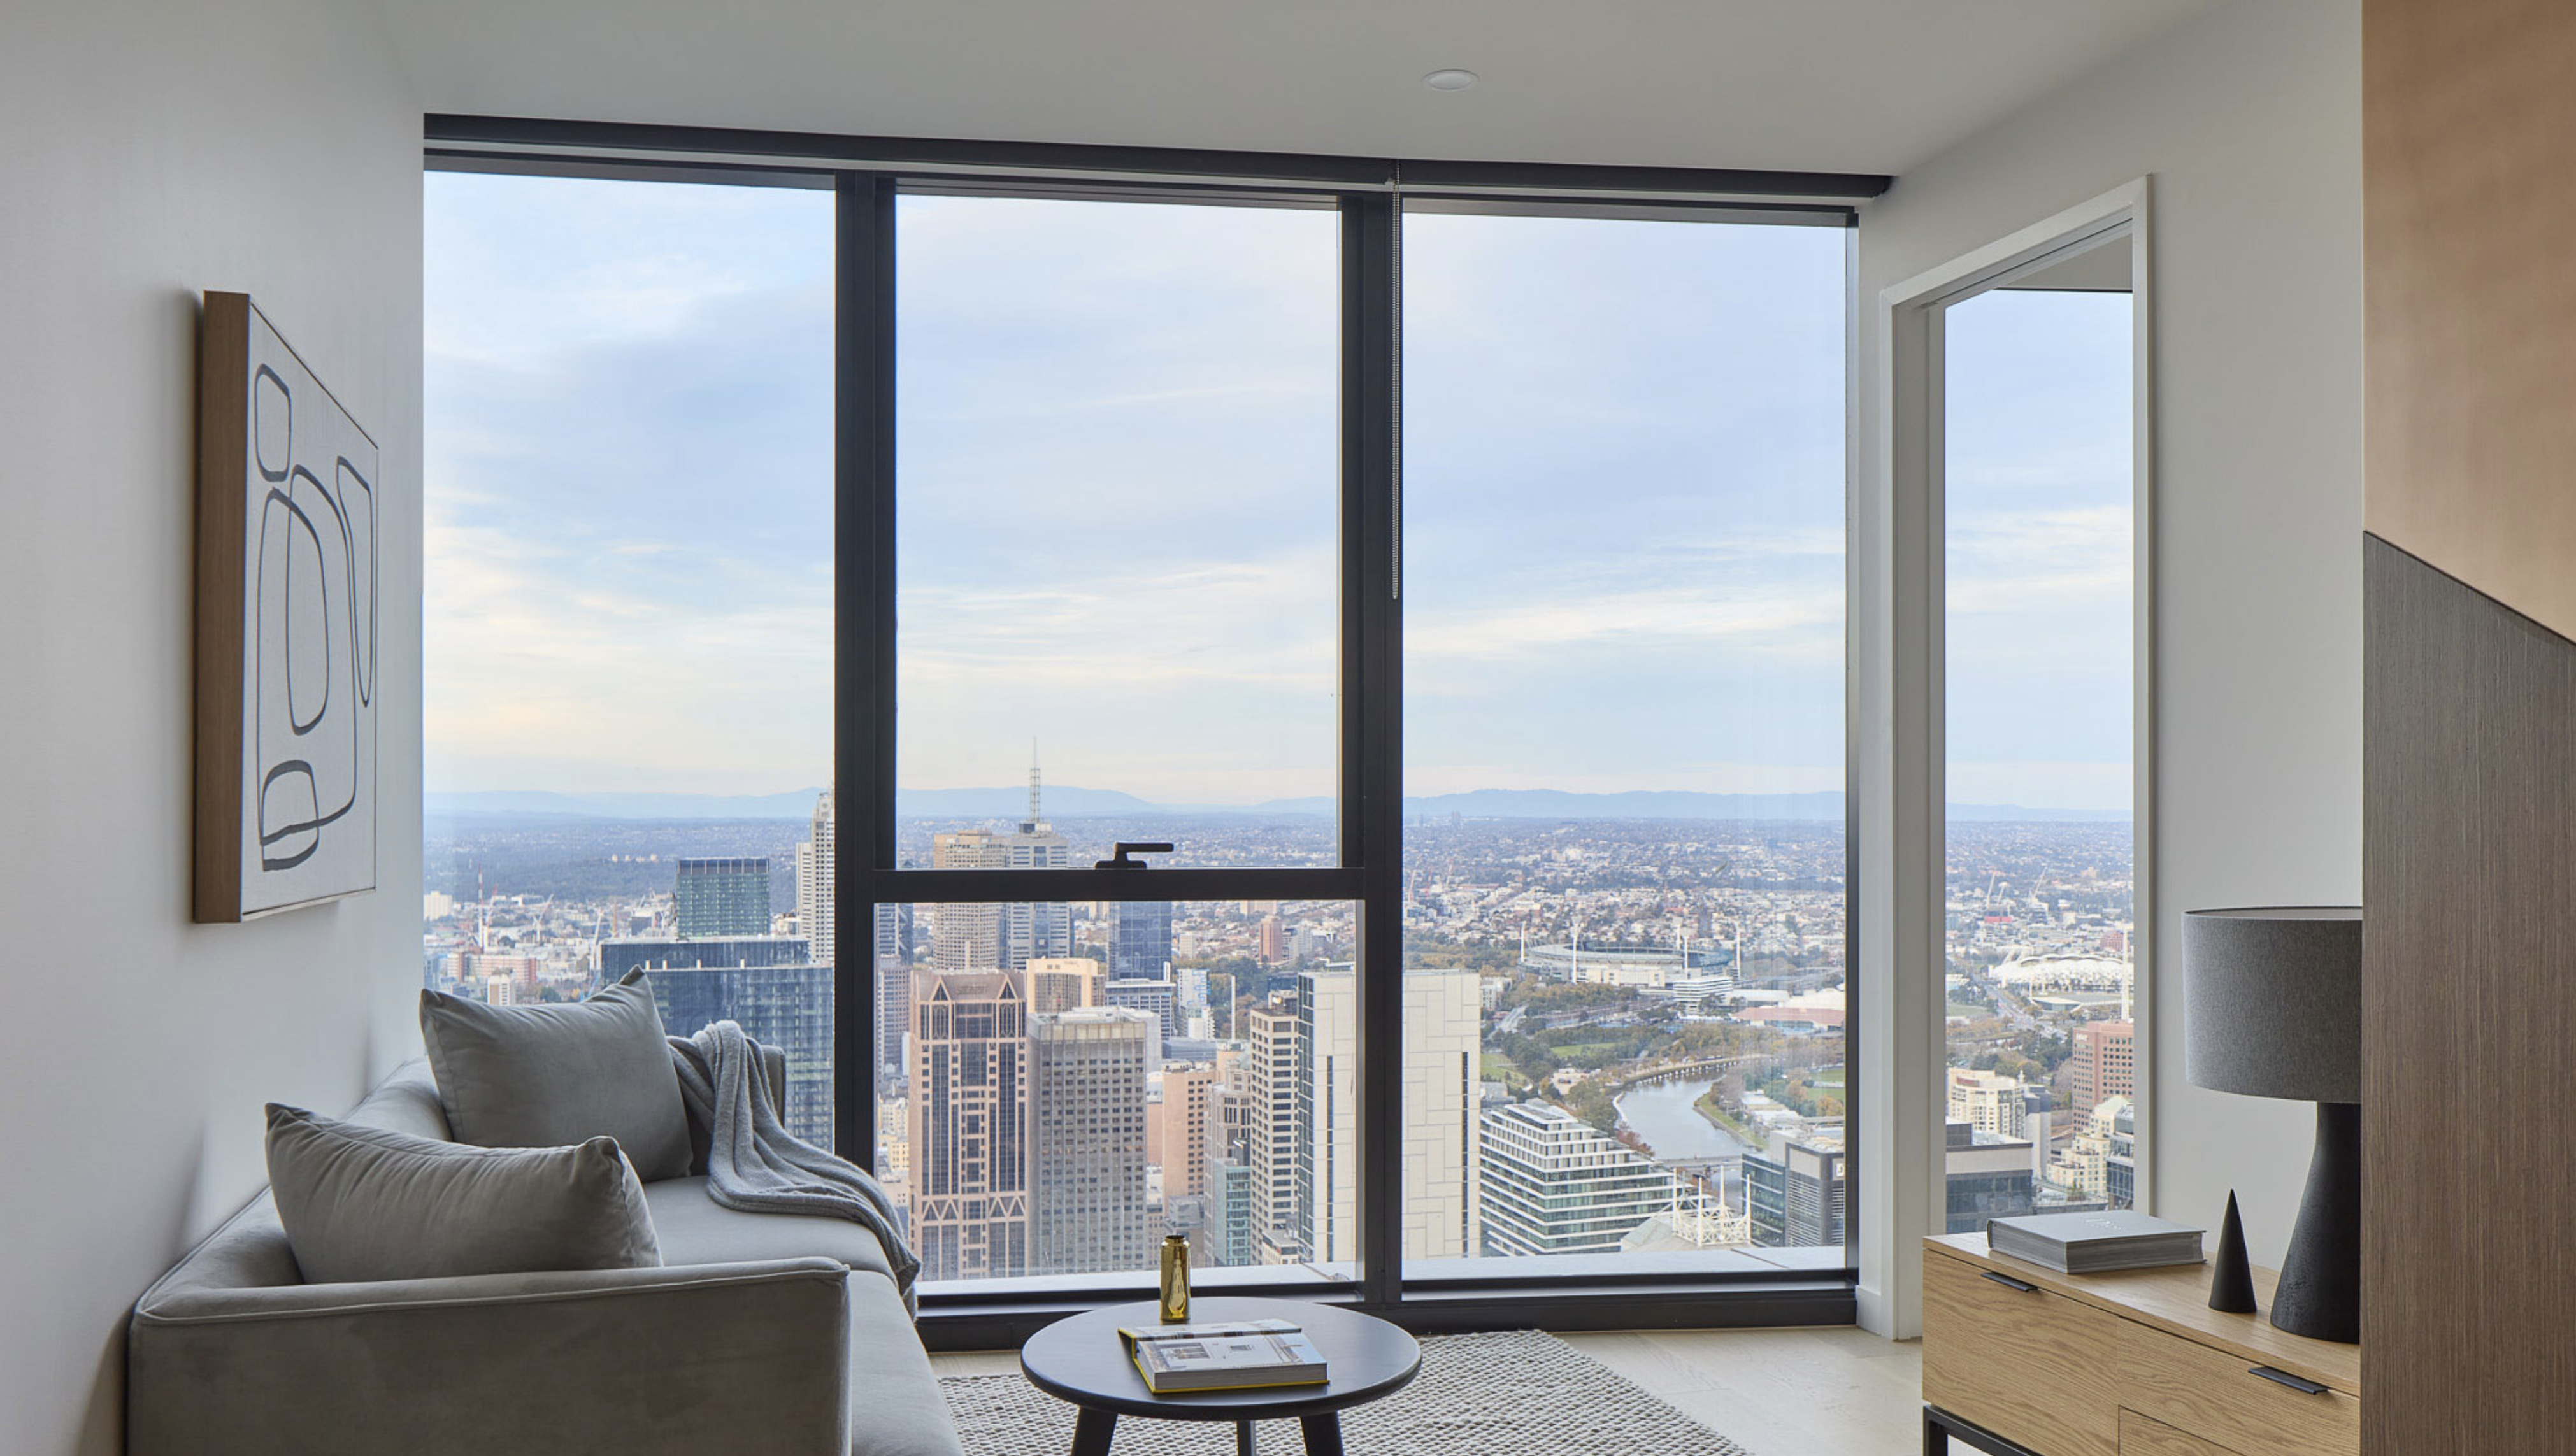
{"x":2469,"y":129}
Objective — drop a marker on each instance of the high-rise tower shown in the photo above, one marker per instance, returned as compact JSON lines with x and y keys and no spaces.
{"x":968,"y":1108}
{"x":815,"y":881}
{"x":1270,"y":1128}
{"x":1087,"y":1141}
{"x":1441,"y":1198}
{"x":717,"y":897}
{"x":974,"y":936}
{"x":1140,"y":939}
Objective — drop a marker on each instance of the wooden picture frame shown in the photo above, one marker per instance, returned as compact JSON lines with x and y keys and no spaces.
{"x":287,"y":507}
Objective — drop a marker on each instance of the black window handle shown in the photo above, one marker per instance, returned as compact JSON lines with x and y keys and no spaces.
{"x":2009,"y":1282}
{"x":1122,"y":849}
{"x":2284,"y":1377}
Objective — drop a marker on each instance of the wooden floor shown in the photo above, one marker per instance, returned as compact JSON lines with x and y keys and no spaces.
{"x":1812,"y":1392}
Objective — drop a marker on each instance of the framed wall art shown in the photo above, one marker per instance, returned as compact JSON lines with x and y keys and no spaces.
{"x":286,"y":627}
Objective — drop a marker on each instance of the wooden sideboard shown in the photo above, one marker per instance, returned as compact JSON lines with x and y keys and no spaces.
{"x":2019,"y":1359}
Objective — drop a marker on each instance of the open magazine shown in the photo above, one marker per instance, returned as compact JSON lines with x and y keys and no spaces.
{"x":1243,"y":1356}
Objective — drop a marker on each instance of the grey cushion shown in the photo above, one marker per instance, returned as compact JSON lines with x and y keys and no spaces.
{"x":547,"y":1076}
{"x":362,"y":1204}
{"x":695,"y":1229}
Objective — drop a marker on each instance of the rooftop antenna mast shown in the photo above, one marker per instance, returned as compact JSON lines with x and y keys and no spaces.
{"x":1032,"y":826}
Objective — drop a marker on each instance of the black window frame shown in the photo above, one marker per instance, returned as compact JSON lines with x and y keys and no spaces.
{"x":1370,"y":195}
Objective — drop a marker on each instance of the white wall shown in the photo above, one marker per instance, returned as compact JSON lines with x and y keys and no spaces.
{"x":2249,"y":121}
{"x":154,"y":151}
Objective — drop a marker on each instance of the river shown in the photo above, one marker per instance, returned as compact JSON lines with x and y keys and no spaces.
{"x":1662,"y":1114}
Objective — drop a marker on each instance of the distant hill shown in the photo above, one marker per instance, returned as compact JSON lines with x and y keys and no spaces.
{"x":1062,"y":801}
{"x":533,"y":803}
{"x":1825,"y":804}
{"x":1067,"y":802}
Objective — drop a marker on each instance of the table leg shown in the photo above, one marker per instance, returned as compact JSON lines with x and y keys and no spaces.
{"x":1243,"y":1438}
{"x":1091,"y":1431}
{"x":1936,"y":1437}
{"x":1323,"y":1434}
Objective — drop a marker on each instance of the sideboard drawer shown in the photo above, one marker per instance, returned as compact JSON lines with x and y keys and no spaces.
{"x":2028,"y":1365}
{"x":2216,"y":1396}
{"x":2142,"y":1437}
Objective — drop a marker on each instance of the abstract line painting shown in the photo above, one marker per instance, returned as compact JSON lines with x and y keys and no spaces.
{"x":286,"y":627}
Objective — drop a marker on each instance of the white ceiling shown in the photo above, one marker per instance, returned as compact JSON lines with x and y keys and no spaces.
{"x":1823,"y":85}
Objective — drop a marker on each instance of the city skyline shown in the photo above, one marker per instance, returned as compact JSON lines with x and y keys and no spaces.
{"x":1705,"y":947}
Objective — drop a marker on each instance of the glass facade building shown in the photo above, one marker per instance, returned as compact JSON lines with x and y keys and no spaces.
{"x":713,"y":897}
{"x":788,"y":1006}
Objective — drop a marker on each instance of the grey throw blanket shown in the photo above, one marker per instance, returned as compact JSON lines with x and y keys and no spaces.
{"x":756,"y":1165}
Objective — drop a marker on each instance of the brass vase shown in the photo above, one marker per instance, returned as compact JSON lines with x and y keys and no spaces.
{"x":1176,"y":1279}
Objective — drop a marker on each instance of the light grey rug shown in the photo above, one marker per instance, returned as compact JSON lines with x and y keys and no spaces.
{"x":1519,"y":1393}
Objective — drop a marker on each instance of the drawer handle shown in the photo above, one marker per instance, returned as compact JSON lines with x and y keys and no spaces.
{"x":2284,"y":1377}
{"x":2024,"y":1285}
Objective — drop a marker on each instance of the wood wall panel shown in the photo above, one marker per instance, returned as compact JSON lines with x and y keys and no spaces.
{"x":2469,"y":205}
{"x":2468,"y":1022}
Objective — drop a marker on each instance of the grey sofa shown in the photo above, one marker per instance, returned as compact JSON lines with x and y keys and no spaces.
{"x":769,"y":1333}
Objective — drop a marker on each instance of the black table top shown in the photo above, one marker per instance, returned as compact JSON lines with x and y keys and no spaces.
{"x":1081,"y":1359}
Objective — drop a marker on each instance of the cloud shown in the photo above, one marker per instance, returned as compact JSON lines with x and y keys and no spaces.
{"x":2033,"y":563}
{"x":1119,"y":466}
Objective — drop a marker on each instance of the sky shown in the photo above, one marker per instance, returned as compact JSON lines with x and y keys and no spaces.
{"x":1623,"y":467}
{"x":2040,"y":526}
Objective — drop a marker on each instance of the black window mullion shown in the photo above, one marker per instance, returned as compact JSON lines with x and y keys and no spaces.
{"x":863,"y":636}
{"x":1373,"y":726}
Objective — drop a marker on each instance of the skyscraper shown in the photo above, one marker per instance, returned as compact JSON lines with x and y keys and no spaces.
{"x":815,"y":881}
{"x":1087,"y":1141}
{"x":2105,"y":1064}
{"x":1555,"y":1184}
{"x":1155,"y":996}
{"x":1794,"y":1189}
{"x":1063,"y":983}
{"x":1043,"y":929}
{"x":1984,"y":1175}
{"x":1270,"y":1124}
{"x":964,"y":937}
{"x":1442,"y":1160}
{"x":1228,"y":1241}
{"x":1140,"y":939}
{"x":1188,"y":1137}
{"x":967,"y":937}
{"x":1990,"y":1102}
{"x":786,"y":1006}
{"x":818,"y":917}
{"x":968,"y":1102}
{"x":713,"y":897}
{"x":894,"y":988}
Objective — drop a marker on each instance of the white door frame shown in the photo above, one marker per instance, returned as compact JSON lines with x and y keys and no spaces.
{"x":1901,"y":1179}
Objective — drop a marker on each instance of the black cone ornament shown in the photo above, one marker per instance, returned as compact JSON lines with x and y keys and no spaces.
{"x":2231,"y":1278}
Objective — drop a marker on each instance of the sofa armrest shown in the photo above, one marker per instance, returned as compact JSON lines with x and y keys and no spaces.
{"x":620,"y":1362}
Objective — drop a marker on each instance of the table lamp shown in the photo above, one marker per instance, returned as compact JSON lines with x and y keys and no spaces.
{"x":2275,"y":1011}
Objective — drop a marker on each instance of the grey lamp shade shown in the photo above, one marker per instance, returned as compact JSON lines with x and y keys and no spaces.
{"x":2273,"y":1002}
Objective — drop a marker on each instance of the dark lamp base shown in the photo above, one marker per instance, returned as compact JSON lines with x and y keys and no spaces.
{"x":2320,"y":1291}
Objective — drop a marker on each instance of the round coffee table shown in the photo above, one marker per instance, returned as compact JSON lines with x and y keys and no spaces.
{"x":1082,"y":1360}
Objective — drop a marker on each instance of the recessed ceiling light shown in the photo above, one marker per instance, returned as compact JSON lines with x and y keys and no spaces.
{"x":1452,"y":80}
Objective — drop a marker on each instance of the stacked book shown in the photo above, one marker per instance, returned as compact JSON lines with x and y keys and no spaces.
{"x":1180,"y":1358}
{"x":2094,"y":1243}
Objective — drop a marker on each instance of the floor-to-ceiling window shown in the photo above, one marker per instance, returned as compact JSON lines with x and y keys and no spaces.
{"x":866,"y":555}
{"x":1624,"y":698}
{"x":2040,"y":1084}
{"x":628,"y":627}
{"x":1117,"y":619}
